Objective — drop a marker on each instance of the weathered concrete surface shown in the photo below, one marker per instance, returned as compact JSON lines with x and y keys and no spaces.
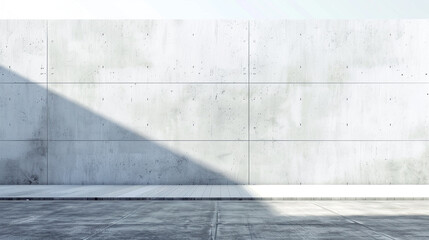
{"x":148,"y":51}
{"x":332,"y":162}
{"x":150,"y":111}
{"x":23,"y":109}
{"x":147,"y":162}
{"x":120,"y":85}
{"x":214,"y":220}
{"x":339,"y":112}
{"x":339,"y":51}
{"x":122,"y":53}
{"x":23,"y":116}
{"x":319,"y":81}
{"x":23,"y":162}
{"x":23,"y":50}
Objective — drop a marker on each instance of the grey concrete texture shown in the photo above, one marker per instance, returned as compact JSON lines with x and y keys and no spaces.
{"x":23,"y":162}
{"x":344,"y":51}
{"x":23,"y":111}
{"x":222,"y":192}
{"x":23,"y":50}
{"x":339,"y":112}
{"x":214,"y":220}
{"x":346,"y":162}
{"x":346,"y":98}
{"x":158,"y":111}
{"x":148,"y":51}
{"x":147,"y":162}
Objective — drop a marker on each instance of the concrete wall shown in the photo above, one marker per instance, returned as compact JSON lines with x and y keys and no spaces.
{"x":214,"y":102}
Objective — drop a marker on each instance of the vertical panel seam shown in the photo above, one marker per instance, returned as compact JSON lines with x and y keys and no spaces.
{"x":47,"y":102}
{"x":248,"y":102}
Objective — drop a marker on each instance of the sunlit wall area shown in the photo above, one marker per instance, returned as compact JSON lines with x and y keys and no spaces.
{"x":214,"y":102}
{"x":339,"y":101}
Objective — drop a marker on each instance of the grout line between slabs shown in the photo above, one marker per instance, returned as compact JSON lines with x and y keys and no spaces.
{"x":248,"y":102}
{"x":47,"y":102}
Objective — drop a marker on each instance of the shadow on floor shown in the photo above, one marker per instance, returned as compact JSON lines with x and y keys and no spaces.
{"x":214,"y":220}
{"x":124,"y":157}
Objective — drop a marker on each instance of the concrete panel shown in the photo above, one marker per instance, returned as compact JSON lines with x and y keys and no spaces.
{"x":23,"y":162}
{"x":339,"y":51}
{"x":319,"y":162}
{"x":22,"y":51}
{"x":147,"y":162}
{"x":23,"y":112}
{"x":148,"y":51}
{"x":130,"y":82}
{"x":148,"y":111}
{"x":339,"y":111}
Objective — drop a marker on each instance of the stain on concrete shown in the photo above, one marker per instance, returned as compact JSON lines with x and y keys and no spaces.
{"x":23,"y":162}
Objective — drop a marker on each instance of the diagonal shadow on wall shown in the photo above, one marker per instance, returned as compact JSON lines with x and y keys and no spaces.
{"x":26,"y":157}
{"x":120,"y":157}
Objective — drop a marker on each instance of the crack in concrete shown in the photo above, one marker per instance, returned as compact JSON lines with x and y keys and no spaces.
{"x":356,"y":222}
{"x":110,"y":225}
{"x":215,"y":222}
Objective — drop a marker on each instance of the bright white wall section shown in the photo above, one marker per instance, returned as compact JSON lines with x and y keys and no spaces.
{"x":214,"y":102}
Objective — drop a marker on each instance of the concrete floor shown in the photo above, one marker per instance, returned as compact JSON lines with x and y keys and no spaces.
{"x":214,"y":219}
